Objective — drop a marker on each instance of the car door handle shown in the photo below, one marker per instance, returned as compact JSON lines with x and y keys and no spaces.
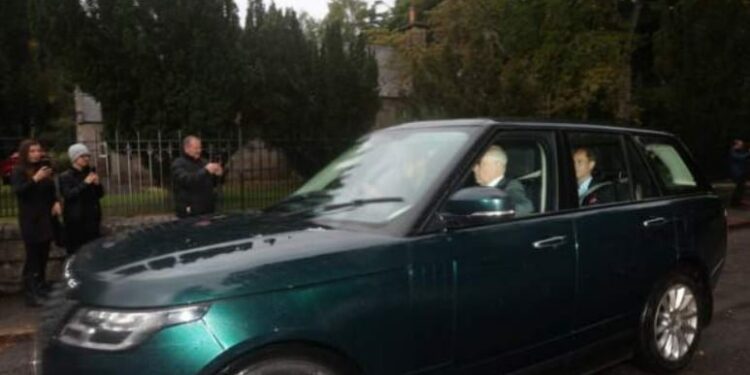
{"x":654,"y":222}
{"x":552,"y":242}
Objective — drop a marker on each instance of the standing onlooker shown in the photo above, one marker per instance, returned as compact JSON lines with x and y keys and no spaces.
{"x":37,"y":209}
{"x":738,"y":156}
{"x":194,"y":180}
{"x":81,"y":191}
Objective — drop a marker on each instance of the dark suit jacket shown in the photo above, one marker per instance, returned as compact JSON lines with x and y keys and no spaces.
{"x":517,"y":194}
{"x":599,"y":192}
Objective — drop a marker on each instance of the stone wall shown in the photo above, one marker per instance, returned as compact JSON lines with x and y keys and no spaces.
{"x":12,"y":255}
{"x":12,"y":252}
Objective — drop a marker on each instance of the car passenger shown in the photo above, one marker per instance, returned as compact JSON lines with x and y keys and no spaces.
{"x":490,"y":172}
{"x":590,"y":190}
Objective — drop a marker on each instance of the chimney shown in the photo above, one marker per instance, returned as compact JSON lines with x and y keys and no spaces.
{"x":412,"y":14}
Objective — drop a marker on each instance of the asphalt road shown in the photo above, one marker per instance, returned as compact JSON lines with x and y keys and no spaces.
{"x":724,"y":349}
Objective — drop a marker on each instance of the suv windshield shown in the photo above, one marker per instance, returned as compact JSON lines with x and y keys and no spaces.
{"x":381,"y":178}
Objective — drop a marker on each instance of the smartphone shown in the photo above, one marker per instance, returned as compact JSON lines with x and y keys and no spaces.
{"x":46,"y":162}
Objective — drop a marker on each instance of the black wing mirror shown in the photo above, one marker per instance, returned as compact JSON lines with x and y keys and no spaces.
{"x":477,"y":206}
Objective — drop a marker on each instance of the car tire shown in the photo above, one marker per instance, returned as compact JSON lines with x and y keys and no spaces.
{"x":292,"y":362}
{"x":287,"y":366}
{"x":671,"y":324}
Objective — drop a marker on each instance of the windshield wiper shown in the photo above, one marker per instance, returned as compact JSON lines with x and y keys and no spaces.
{"x":299,"y":198}
{"x":362,"y":202}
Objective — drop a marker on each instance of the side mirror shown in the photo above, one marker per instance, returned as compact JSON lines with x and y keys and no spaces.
{"x":478,"y":206}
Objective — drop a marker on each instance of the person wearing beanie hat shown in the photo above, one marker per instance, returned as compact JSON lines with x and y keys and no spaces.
{"x":76,"y":151}
{"x":81,"y":191}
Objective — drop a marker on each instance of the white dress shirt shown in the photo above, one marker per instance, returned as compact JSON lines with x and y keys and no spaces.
{"x":583,"y":187}
{"x":496,"y":181}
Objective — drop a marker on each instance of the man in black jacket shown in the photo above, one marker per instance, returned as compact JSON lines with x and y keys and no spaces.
{"x":194,"y":180}
{"x":81,"y":191}
{"x":490,"y":172}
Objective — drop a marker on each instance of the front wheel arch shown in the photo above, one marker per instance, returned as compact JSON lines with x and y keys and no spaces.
{"x":698,"y":272}
{"x":319,"y":353}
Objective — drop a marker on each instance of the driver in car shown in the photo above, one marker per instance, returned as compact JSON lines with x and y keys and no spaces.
{"x":590,"y":191}
{"x":490,"y":172}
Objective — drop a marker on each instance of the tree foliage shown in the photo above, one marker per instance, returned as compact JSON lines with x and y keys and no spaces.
{"x":32,"y":93}
{"x":400,"y":13}
{"x":510,"y":58}
{"x":153,"y":64}
{"x":694,"y":75}
{"x":307,"y":88}
{"x":188,"y":65}
{"x":679,"y":65}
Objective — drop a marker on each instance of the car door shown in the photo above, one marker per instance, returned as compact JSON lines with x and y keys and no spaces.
{"x":697,"y":211}
{"x":515,"y":279}
{"x":624,"y":242}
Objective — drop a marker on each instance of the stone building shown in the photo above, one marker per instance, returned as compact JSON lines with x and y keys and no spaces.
{"x":394,"y":80}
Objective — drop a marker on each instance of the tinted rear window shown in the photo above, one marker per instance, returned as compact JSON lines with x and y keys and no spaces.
{"x":669,"y":163}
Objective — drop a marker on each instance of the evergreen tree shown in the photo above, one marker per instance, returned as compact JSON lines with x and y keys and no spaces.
{"x":153,"y":64}
{"x":309,"y":97}
{"x":695,"y":75}
{"x":356,"y":16}
{"x":31,"y":92}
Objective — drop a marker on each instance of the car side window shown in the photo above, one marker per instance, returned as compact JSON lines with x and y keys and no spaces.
{"x":669,"y":165}
{"x":642,"y":183}
{"x":600,"y":167}
{"x":521,"y":165}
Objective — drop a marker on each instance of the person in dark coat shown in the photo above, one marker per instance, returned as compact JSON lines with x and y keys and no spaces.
{"x":194,"y":180}
{"x":590,"y":190}
{"x":81,"y":191}
{"x":738,"y":156}
{"x":490,"y":172}
{"x":38,"y":210}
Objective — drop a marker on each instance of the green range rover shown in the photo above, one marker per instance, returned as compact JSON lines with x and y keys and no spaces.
{"x":445,"y":247}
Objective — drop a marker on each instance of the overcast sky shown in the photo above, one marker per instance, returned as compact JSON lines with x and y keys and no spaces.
{"x":316,"y":8}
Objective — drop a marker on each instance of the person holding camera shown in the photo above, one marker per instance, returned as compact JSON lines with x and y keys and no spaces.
{"x":194,"y":180}
{"x":38,"y":209}
{"x":81,"y":191}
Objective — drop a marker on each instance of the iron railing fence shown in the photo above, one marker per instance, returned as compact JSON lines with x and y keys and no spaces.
{"x":136,"y":176}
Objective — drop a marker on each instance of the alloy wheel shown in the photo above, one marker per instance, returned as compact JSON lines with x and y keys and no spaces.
{"x":676,"y":322}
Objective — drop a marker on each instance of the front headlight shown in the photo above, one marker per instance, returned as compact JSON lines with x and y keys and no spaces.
{"x":119,"y":330}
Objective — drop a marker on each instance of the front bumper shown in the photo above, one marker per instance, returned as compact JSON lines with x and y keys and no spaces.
{"x":180,"y":350}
